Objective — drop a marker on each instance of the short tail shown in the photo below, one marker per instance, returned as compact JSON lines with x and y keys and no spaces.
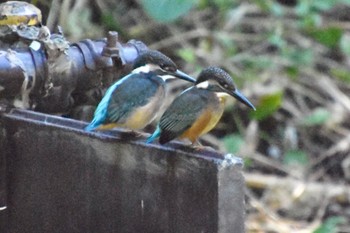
{"x":155,"y":135}
{"x":93,"y":125}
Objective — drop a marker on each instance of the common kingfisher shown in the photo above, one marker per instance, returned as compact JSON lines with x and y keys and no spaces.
{"x":134,"y":101}
{"x":199,"y":108}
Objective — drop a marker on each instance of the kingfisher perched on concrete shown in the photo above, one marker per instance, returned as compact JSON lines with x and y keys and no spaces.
{"x":199,"y":108}
{"x":134,"y":101}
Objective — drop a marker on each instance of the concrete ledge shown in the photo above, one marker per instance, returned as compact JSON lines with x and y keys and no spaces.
{"x":62,"y":179}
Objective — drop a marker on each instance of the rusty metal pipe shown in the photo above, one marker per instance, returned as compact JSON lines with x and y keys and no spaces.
{"x":49,"y":81}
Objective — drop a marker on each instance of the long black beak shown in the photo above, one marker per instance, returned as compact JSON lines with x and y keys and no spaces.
{"x":239,"y":96}
{"x":184,"y":76}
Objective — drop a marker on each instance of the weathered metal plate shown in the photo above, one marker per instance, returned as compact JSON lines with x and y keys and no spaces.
{"x":62,"y":179}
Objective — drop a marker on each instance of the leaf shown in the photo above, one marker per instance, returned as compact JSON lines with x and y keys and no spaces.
{"x":233,"y":143}
{"x":257,"y":62}
{"x":224,"y":5}
{"x":292,"y":72}
{"x":311,"y":20}
{"x":276,"y":40}
{"x":167,"y":10}
{"x":298,"y":57}
{"x":344,"y":44}
{"x":306,"y":7}
{"x":303,"y":8}
{"x":187,"y":55}
{"x":295,"y":157}
{"x":341,"y":74}
{"x":248,"y":162}
{"x":263,"y":5}
{"x":317,"y":117}
{"x":323,"y":5}
{"x":277,"y":9}
{"x":329,"y":36}
{"x":330,"y":225}
{"x":110,"y":23}
{"x":268,"y":104}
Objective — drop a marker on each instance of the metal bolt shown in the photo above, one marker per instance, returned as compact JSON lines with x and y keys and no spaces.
{"x":111,"y":49}
{"x":112,"y":39}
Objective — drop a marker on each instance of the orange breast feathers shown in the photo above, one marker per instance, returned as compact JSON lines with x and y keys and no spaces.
{"x":206,"y":121}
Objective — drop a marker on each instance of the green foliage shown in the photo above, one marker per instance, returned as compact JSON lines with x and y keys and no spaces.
{"x":310,"y":21}
{"x":306,"y":7}
{"x":341,"y":74}
{"x":223,"y":5}
{"x":276,"y":9}
{"x":330,"y":225}
{"x":292,"y":71}
{"x":295,"y":157}
{"x":329,"y":36}
{"x":317,"y":117}
{"x":276,"y":39}
{"x":270,"y":6}
{"x":187,"y":54}
{"x":297,"y":56}
{"x":263,"y":5}
{"x":165,"y":11}
{"x":309,"y":11}
{"x":248,"y":162}
{"x":344,"y":44}
{"x":268,"y":104}
{"x":233,"y":143}
{"x":257,"y":63}
{"x":110,"y":23}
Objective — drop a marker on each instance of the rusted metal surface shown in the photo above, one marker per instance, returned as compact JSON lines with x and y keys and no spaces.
{"x":62,"y":179}
{"x":56,"y":77}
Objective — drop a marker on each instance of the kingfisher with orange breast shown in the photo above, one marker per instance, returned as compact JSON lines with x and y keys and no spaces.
{"x":198,"y":109}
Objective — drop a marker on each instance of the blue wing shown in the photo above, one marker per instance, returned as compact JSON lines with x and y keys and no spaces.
{"x":100,"y":114}
{"x":179,"y":116}
{"x":122,"y":97}
{"x":135,"y":92}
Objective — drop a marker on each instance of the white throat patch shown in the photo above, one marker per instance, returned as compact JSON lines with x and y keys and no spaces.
{"x":221,"y":94}
{"x":145,"y":69}
{"x":203,"y":85}
{"x":151,"y":67}
{"x":167,"y":76}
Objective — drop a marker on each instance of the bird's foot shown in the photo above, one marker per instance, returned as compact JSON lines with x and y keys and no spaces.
{"x":196,"y":145}
{"x":136,"y":134}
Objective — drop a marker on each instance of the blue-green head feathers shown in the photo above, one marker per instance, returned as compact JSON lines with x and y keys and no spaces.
{"x":218,"y":76}
{"x":156,"y":58}
{"x":218,"y":80}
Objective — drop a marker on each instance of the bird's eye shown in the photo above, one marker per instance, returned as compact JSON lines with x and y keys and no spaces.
{"x":167,"y":68}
